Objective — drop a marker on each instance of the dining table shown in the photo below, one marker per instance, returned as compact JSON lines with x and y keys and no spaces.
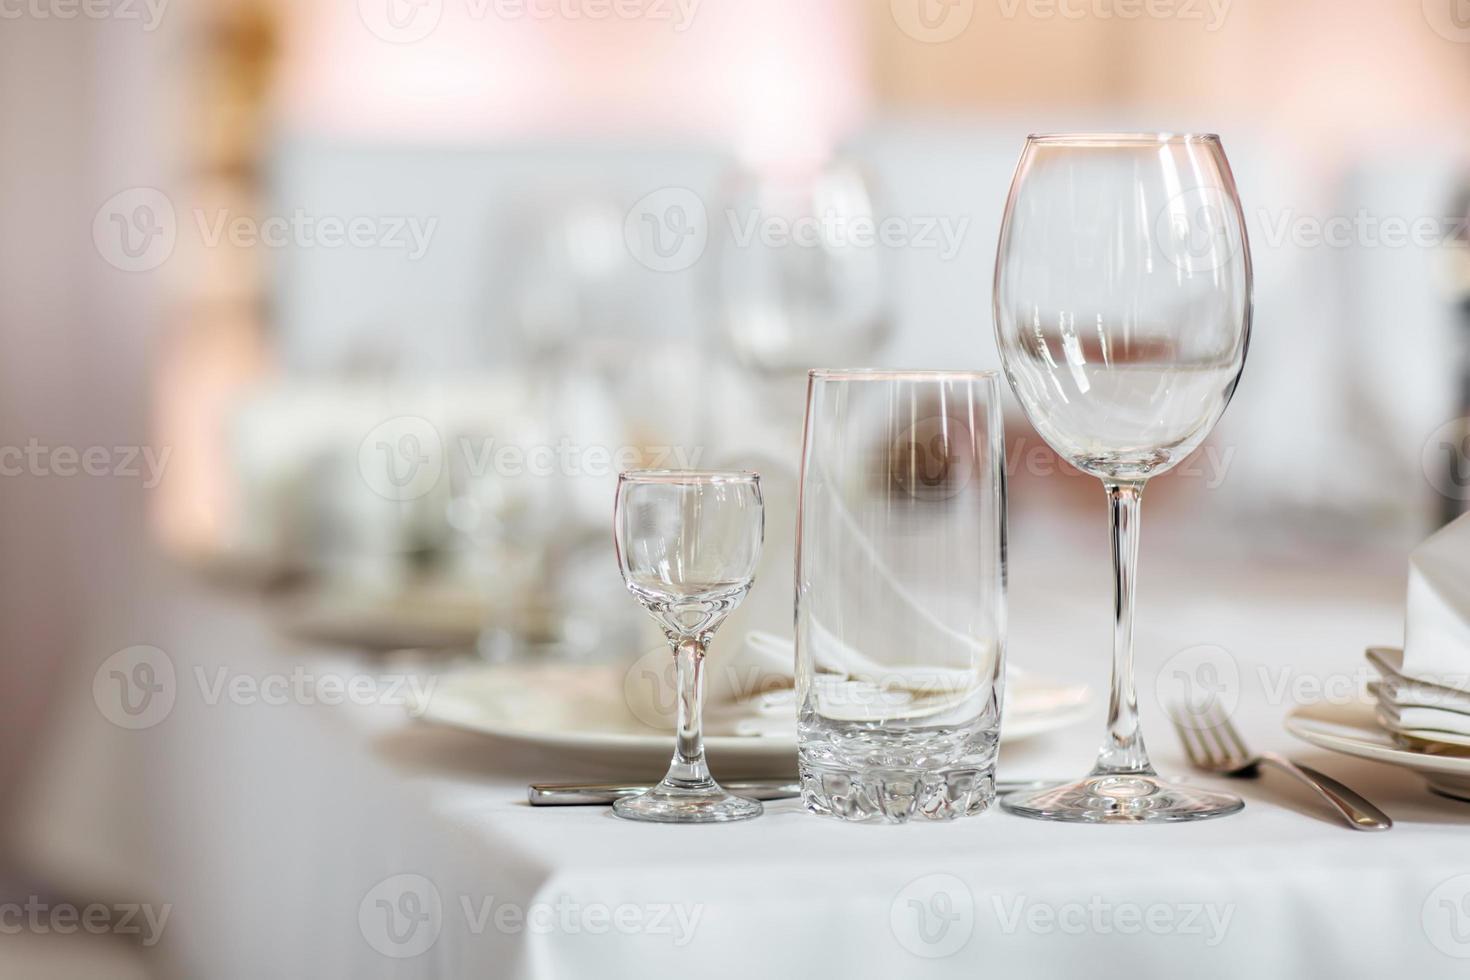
{"x":309,"y":836}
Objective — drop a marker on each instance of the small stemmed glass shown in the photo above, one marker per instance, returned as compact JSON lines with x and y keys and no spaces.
{"x":687,"y":545}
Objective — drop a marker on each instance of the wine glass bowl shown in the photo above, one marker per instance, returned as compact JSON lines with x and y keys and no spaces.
{"x":1122,"y":297}
{"x":1122,"y":313}
{"x":687,"y":544}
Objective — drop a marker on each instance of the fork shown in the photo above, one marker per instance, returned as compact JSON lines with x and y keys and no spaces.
{"x":1213,"y":745}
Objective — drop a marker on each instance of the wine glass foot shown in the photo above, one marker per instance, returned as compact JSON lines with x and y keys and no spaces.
{"x":1121,"y":798}
{"x":670,"y":802}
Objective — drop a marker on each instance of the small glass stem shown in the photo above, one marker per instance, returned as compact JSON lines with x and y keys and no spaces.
{"x":688,"y":766}
{"x":1123,"y":751}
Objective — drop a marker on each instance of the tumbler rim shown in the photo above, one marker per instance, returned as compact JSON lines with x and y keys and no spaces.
{"x":885,"y":374}
{"x":689,"y":476}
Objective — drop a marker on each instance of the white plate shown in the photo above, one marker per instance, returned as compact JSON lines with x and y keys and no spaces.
{"x":580,"y":709}
{"x":1353,"y":730}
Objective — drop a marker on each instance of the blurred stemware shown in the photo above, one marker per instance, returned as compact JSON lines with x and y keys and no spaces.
{"x":799,"y":273}
{"x":795,"y":283}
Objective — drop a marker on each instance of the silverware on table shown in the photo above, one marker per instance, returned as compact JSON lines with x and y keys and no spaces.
{"x":1213,"y":745}
{"x":594,"y":794}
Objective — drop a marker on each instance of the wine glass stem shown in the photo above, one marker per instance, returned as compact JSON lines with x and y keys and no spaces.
{"x":688,"y":765}
{"x":1123,"y":751}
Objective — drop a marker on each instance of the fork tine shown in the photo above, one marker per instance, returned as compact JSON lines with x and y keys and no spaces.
{"x":1199,"y":757}
{"x":1228,"y":727}
{"x":1208,"y":731}
{"x":1179,"y":730}
{"x":1227,"y":732}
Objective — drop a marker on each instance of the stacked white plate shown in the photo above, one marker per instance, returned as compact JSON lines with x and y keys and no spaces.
{"x":1411,"y":723}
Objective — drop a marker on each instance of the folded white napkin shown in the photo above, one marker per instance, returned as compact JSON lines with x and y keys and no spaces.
{"x":1411,"y":706}
{"x":1422,"y":721}
{"x":752,"y":690}
{"x":1397,"y":688}
{"x":1437,"y":623}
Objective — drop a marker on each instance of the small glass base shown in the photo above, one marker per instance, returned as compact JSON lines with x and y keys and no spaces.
{"x":1121,"y":798}
{"x":671,"y":802}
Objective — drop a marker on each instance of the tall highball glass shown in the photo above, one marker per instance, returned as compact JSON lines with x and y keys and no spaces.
{"x":900,"y":594}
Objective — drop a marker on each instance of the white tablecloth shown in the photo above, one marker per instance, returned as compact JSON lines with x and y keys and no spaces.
{"x":306,"y":840}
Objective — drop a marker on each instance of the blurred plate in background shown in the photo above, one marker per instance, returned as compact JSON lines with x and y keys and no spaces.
{"x":581,"y":709}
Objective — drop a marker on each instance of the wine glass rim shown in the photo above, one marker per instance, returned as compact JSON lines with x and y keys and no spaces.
{"x":689,"y":476}
{"x":1116,"y":139}
{"x":886,"y":374}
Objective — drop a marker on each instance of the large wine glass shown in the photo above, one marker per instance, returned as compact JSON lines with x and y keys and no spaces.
{"x":1122,"y":312}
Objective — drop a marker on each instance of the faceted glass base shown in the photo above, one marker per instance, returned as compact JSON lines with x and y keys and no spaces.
{"x":896,"y":796}
{"x":1121,"y":798}
{"x":674,"y":802}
